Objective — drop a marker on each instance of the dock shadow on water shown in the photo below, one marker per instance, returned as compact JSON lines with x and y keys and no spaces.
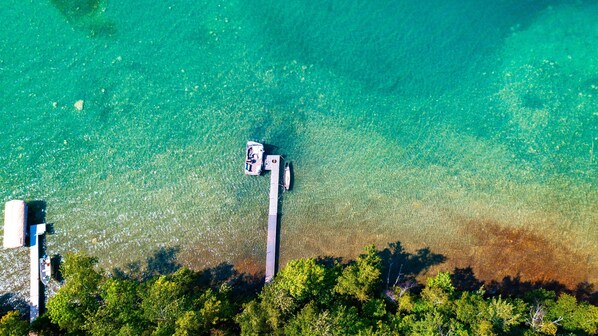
{"x":56,"y":261}
{"x":36,"y":212}
{"x":86,"y":16}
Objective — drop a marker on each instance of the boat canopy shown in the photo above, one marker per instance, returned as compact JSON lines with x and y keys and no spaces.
{"x":254,"y":158}
{"x":15,"y":224}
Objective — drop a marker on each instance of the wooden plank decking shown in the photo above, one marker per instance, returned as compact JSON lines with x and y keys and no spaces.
{"x":35,"y":231}
{"x":273,"y":165}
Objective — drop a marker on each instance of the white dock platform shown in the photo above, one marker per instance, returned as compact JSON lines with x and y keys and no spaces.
{"x":272,"y":164}
{"x":34,"y":244}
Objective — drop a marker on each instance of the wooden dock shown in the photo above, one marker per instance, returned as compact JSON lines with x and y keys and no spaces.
{"x":35,"y":231}
{"x":272,"y":163}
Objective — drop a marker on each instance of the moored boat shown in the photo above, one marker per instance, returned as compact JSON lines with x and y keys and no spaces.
{"x":287,"y":176}
{"x":45,"y":269}
{"x":254,"y":158}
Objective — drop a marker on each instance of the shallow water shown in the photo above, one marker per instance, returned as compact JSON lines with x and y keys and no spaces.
{"x":466,"y":127}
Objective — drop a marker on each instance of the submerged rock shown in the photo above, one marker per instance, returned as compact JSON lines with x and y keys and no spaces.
{"x":79,"y":105}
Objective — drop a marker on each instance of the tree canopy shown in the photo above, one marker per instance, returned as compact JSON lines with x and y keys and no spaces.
{"x":307,"y":297}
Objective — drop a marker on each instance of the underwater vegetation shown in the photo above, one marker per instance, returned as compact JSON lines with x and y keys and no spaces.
{"x":466,"y":127}
{"x":87,"y":16}
{"x":74,"y":9}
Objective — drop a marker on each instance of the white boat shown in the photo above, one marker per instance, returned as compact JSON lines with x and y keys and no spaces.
{"x":45,"y":269}
{"x":287,"y":176}
{"x":254,"y":158}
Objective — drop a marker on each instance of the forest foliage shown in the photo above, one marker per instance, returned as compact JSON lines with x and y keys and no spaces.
{"x":307,"y":297}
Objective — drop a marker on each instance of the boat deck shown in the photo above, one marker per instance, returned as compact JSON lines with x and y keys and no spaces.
{"x":254,"y":158}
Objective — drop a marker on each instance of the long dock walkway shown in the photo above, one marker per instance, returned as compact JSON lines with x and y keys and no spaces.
{"x":273,"y":165}
{"x":35,"y":231}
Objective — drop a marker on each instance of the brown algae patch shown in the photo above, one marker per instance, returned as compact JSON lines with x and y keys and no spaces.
{"x":498,"y":251}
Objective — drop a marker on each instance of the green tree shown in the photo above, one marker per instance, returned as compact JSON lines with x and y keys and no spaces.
{"x":502,"y":314}
{"x":269,"y":312}
{"x":187,"y":280}
{"x":278,"y":305}
{"x":309,"y":321}
{"x":405,"y":304}
{"x":483,"y":328}
{"x":471,"y":310}
{"x":162,"y":303}
{"x":189,"y":324}
{"x":215,"y":307}
{"x":374,"y":309}
{"x":11,"y":324}
{"x":78,"y":298}
{"x":303,"y":279}
{"x":430,"y":324}
{"x":253,"y":319}
{"x":346,"y":320}
{"x":443,"y":281}
{"x":362,"y":278}
{"x":119,"y":310}
{"x":438,"y":292}
{"x":470,"y":307}
{"x":572,"y":316}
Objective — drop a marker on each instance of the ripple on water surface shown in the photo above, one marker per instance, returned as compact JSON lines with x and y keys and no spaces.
{"x":477,"y":141}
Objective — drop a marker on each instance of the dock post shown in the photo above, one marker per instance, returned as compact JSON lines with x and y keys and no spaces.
{"x":272,"y":164}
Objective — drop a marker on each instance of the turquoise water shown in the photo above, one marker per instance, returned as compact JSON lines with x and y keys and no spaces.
{"x":466,"y":127}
